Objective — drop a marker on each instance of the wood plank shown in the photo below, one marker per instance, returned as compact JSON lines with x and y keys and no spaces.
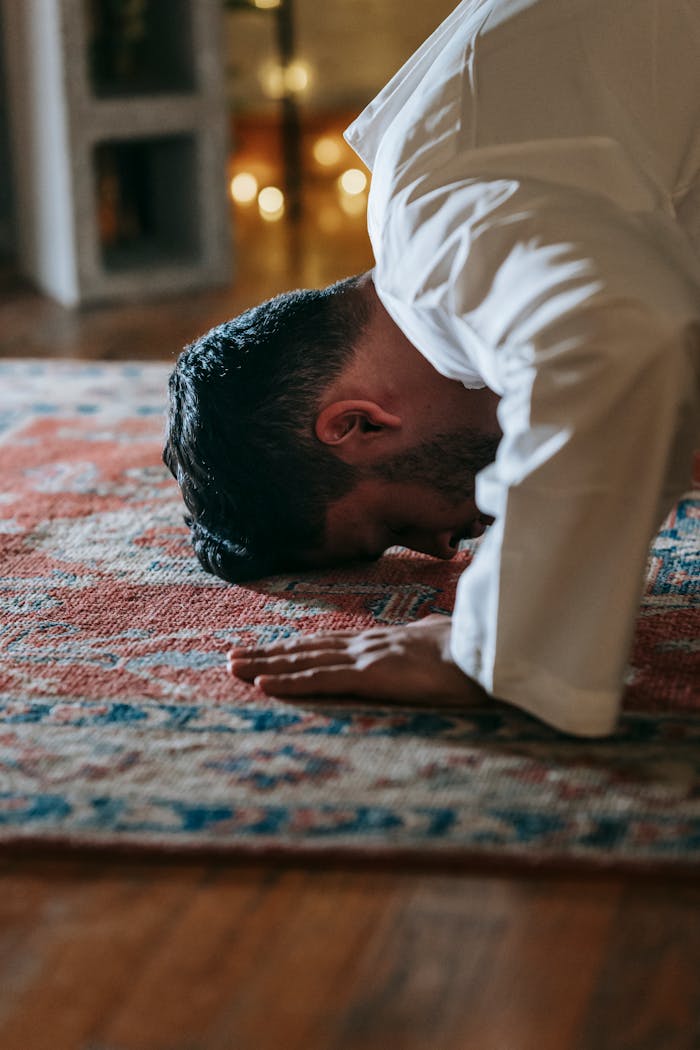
{"x":82,"y":946}
{"x":127,"y":956}
{"x":647,"y":992}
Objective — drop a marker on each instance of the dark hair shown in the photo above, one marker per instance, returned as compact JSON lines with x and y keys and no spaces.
{"x":240,"y":438}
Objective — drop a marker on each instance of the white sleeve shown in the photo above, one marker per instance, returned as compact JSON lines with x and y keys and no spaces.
{"x":598,"y":368}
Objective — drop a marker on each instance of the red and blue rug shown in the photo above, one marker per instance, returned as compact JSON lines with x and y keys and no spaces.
{"x":120,"y":728}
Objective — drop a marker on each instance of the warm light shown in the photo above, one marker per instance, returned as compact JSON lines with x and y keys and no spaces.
{"x":271,"y":203}
{"x":278,"y":81}
{"x":329,"y":219}
{"x":353,"y":206}
{"x":327,"y":151}
{"x":353,"y":181}
{"x":266,"y":5}
{"x":272,"y":80}
{"x":296,"y":77}
{"x":244,"y":187}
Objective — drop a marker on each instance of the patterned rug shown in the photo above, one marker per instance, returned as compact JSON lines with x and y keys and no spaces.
{"x":119,"y":726}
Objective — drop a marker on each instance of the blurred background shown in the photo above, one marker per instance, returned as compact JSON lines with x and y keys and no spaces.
{"x":167,"y":163}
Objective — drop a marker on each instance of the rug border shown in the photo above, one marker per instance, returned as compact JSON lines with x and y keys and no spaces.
{"x":465,"y":861}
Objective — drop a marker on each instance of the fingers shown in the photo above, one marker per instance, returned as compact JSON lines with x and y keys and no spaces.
{"x":322,"y":640}
{"x":251,"y":666}
{"x":316,"y":681}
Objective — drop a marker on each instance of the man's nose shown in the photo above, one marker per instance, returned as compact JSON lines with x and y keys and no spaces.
{"x":437,"y":545}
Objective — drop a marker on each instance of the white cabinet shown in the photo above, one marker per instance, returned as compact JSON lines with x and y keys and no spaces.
{"x":119,"y":139}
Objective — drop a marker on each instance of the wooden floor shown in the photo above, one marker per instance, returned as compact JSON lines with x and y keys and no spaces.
{"x":100,"y":954}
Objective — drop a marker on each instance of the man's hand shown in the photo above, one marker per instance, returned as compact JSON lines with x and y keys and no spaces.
{"x":404,"y":664}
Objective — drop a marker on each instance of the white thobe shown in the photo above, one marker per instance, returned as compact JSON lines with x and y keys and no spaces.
{"x":535,"y":218}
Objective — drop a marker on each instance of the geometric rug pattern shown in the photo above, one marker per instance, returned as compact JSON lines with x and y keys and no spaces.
{"x":121,"y":729}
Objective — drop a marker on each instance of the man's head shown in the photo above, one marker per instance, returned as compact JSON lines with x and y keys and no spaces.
{"x":310,"y":431}
{"x":240,"y":439}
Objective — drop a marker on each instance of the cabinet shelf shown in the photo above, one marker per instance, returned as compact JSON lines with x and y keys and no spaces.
{"x":147,"y":202}
{"x":139,"y":48}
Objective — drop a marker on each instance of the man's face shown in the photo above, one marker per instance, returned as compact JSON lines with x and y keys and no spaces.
{"x":422,"y":498}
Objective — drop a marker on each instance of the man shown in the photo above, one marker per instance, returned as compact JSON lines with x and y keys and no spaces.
{"x":535,"y":218}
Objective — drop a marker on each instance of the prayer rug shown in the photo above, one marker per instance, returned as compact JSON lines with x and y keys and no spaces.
{"x":120,"y":728}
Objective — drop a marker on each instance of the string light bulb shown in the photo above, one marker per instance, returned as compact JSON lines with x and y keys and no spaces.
{"x":329,"y":219}
{"x":278,"y":81}
{"x":267,"y":5}
{"x":353,"y":205}
{"x":271,"y":203}
{"x":296,"y":77}
{"x":353,"y":182}
{"x":244,"y":187}
{"x":327,"y":151}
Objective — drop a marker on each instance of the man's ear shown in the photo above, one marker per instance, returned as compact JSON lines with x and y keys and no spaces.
{"x":355,"y":427}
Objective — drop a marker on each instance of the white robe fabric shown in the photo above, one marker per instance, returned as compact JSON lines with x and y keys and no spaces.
{"x":535,"y":219}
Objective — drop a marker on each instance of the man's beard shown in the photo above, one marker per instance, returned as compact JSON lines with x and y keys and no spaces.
{"x":448,"y":463}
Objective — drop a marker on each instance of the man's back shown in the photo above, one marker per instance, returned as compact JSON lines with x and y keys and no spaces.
{"x":600,"y":94}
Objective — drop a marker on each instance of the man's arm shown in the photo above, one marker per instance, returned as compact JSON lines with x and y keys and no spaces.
{"x":544,"y":616}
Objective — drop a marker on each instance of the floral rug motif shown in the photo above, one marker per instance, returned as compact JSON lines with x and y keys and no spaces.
{"x":119,"y":726}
